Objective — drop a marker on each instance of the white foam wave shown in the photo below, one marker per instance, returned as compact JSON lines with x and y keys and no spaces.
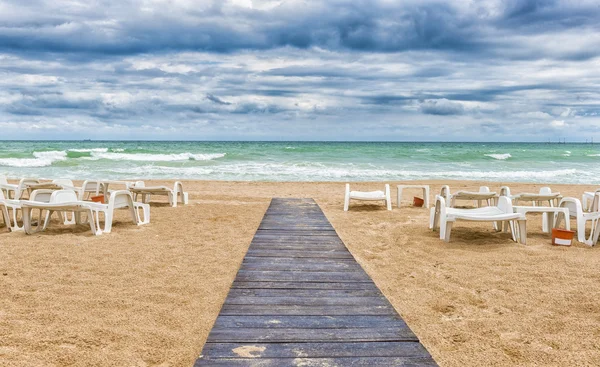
{"x":145,"y":157}
{"x":118,"y":150}
{"x":593,"y":155}
{"x":321,"y":172}
{"x":501,"y":157}
{"x":41,"y":159}
{"x":89,"y":150}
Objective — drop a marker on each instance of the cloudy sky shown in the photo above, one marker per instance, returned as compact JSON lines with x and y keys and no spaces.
{"x":300,"y":70}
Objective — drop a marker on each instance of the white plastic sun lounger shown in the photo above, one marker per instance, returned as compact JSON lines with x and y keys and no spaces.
{"x":581,"y":217}
{"x":479,"y":197}
{"x":587,"y":199}
{"x":59,"y":202}
{"x":503,"y":212}
{"x":545,"y":196}
{"x":66,"y":201}
{"x":368,"y":196}
{"x":9,"y":210}
{"x":175,"y":194}
{"x":15,"y":192}
{"x":121,"y":199}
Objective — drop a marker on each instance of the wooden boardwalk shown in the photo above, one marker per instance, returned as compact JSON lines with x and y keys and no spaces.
{"x":300,"y":299}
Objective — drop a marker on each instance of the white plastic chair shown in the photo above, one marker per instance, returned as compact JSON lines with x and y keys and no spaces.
{"x":581,"y":218}
{"x":444,"y":217}
{"x":176,"y":194}
{"x":368,"y":196}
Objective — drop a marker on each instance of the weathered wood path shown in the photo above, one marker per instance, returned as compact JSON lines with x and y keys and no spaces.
{"x":300,"y":299}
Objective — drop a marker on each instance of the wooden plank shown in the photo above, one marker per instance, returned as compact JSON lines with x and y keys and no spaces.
{"x":320,"y":362}
{"x":238,"y":335}
{"x":236,"y":292}
{"x":289,"y":232}
{"x":302,"y":285}
{"x":279,"y":266}
{"x":295,"y":310}
{"x":307,"y":301}
{"x":317,"y":350}
{"x":302,"y":276}
{"x":310,"y":322}
{"x":298,"y":247}
{"x":325,"y":254}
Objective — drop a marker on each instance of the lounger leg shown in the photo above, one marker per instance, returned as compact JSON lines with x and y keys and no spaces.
{"x":27,"y":219}
{"x":432,"y":218}
{"x":388,"y":197}
{"x":447,"y":231}
{"x":347,"y":198}
{"x":399,"y":196}
{"x":595,"y":233}
{"x":522,"y":231}
{"x":545,"y":222}
{"x":581,"y":230}
{"x":426,"y":196}
{"x":6,"y":218}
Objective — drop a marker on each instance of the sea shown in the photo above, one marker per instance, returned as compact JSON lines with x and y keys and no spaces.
{"x":302,"y":161}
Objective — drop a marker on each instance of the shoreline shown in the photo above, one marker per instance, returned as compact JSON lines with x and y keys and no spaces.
{"x":149,"y":295}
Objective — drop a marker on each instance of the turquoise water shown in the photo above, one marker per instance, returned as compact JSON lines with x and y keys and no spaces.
{"x":302,"y":161}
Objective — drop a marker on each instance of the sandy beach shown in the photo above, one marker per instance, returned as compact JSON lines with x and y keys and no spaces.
{"x":149,"y":295}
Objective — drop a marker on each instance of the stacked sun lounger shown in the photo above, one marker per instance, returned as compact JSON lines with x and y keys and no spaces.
{"x":30,"y":196}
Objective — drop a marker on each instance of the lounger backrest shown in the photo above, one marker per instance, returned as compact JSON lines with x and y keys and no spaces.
{"x":505,"y":204}
{"x":545,"y":190}
{"x":92,"y":186}
{"x":3,"y":180}
{"x":445,"y":192}
{"x":27,"y":181}
{"x":63,"y":182}
{"x":121,"y":199}
{"x":42,"y":195}
{"x":139,"y":184}
{"x":505,"y":191}
{"x":63,"y":196}
{"x":596,"y":202}
{"x":484,"y":189}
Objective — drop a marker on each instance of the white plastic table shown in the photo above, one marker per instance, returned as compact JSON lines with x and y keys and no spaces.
{"x":545,"y":210}
{"x":425,"y":189}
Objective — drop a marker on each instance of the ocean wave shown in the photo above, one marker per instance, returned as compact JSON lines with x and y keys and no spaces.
{"x":145,"y":157}
{"x":118,"y":149}
{"x":501,"y":157}
{"x":313,"y":171}
{"x":41,"y":159}
{"x":89,"y":150}
{"x":593,"y":155}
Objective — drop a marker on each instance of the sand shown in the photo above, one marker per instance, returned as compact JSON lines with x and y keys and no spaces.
{"x":148,"y":296}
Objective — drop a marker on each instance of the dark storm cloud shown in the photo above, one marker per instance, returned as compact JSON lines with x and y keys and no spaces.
{"x":279,"y":67}
{"x":122,"y":28}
